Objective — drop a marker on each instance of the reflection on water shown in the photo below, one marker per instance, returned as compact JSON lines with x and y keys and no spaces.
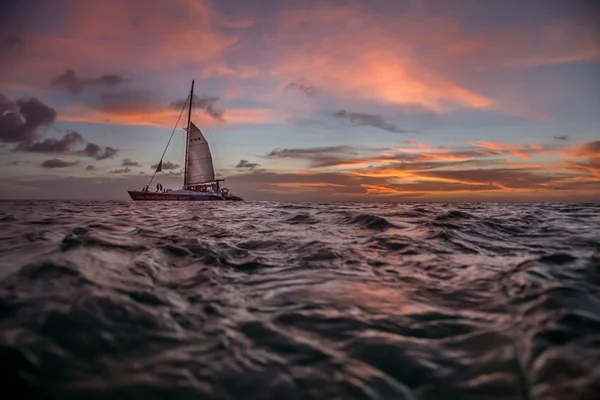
{"x":300,"y":301}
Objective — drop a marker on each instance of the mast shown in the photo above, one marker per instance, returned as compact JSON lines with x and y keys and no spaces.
{"x":187,"y":138}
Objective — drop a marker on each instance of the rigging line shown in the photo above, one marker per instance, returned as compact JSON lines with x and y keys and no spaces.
{"x":171,"y":137}
{"x":174,"y":177}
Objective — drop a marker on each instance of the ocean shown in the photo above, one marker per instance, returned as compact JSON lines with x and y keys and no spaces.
{"x":264,"y":300}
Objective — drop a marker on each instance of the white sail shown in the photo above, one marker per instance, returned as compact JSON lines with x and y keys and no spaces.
{"x":199,"y":161}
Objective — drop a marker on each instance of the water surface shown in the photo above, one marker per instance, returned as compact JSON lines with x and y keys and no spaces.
{"x":259,"y":300}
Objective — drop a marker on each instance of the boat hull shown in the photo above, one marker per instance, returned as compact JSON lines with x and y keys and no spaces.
{"x":138,"y":195}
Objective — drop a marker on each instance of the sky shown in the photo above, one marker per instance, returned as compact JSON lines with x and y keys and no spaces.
{"x":305,"y":100}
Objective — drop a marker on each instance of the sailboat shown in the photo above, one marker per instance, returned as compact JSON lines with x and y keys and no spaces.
{"x":199,"y":181}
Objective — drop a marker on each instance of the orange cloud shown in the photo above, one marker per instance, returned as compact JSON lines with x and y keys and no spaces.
{"x":520,"y":150}
{"x":451,"y":172}
{"x":357,"y":56}
{"x":350,"y":52}
{"x":165,"y":117}
{"x":589,"y":149}
{"x":150,"y":36}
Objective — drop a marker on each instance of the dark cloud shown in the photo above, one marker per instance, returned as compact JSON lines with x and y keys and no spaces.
{"x":73,"y":84}
{"x":306,"y":88}
{"x":21,"y":120}
{"x":64,"y":145}
{"x":56,"y":163}
{"x":561,"y":137}
{"x":120,"y":171}
{"x":97,"y":152}
{"x":166,"y":166}
{"x":130,"y":163}
{"x":90,"y":168}
{"x":376,"y":121}
{"x":208,"y":104}
{"x":245,"y":164}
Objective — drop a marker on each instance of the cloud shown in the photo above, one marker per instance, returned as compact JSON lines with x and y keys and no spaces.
{"x":95,"y":151}
{"x":591,"y":166}
{"x":90,"y":168}
{"x":130,"y":163}
{"x":245,"y":164}
{"x":498,"y":178}
{"x":310,"y":152}
{"x":120,"y":171}
{"x":208,"y":104}
{"x":166,"y":166}
{"x":426,"y":171}
{"x":21,"y":120}
{"x":306,"y":88}
{"x":57,"y":163}
{"x":415,"y":155}
{"x":376,"y":121}
{"x":152,"y":113}
{"x":316,"y":155}
{"x":565,"y":137}
{"x":393,"y":47}
{"x":523,"y":150}
{"x":589,"y":149}
{"x":142,"y":35}
{"x":72,"y":84}
{"x":64,"y":145}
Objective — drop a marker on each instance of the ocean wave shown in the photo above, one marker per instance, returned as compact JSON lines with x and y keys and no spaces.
{"x":274,"y":300}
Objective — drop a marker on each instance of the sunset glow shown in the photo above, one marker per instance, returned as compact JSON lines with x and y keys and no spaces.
{"x":347,"y":100}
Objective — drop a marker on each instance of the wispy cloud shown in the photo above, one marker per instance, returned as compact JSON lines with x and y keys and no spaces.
{"x":208,"y":104}
{"x":303,"y":86}
{"x":376,"y":121}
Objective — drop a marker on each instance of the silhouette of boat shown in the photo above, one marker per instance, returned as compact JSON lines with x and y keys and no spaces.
{"x":199,"y":183}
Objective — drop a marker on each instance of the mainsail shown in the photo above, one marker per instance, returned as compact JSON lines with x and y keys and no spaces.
{"x":199,"y":167}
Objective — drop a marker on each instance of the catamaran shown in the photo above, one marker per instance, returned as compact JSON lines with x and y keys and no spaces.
{"x":199,"y":181}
